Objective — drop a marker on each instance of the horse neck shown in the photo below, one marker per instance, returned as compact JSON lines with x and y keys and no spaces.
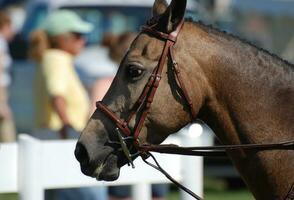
{"x":249,"y":92}
{"x":248,"y":101}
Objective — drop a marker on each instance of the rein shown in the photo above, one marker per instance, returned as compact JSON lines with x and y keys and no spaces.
{"x":129,"y":139}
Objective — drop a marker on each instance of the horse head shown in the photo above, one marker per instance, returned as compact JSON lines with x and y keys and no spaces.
{"x":243,"y":93}
{"x":97,"y":148}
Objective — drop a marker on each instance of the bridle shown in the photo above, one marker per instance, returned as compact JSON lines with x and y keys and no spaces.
{"x":143,"y":104}
{"x":141,"y":108}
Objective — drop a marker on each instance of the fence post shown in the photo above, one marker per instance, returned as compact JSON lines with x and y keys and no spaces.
{"x":29,"y":168}
{"x":192,"y":167}
{"x":141,"y":191}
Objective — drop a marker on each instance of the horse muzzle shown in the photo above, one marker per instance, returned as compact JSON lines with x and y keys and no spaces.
{"x":102,"y":164}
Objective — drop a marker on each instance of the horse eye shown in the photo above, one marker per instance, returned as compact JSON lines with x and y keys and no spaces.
{"x":134,"y":71}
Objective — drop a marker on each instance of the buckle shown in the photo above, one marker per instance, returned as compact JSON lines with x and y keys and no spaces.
{"x":125,"y":149}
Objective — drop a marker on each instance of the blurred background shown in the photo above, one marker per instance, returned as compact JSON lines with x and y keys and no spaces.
{"x":268,"y":24}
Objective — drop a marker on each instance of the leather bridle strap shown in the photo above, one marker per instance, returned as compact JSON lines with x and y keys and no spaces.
{"x":157,"y":166}
{"x":184,"y":90}
{"x":215,"y":150}
{"x":205,"y":151}
{"x":121,"y":124}
{"x":150,"y":97}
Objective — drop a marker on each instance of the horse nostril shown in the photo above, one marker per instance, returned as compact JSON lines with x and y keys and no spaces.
{"x":81,"y":154}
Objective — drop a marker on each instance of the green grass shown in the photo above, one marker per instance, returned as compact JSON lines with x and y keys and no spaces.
{"x":229,"y":195}
{"x":218,"y":189}
{"x":8,"y":197}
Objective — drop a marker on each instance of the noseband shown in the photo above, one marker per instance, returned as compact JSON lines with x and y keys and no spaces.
{"x":143,"y":104}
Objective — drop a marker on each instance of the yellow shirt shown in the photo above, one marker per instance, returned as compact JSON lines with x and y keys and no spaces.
{"x":56,"y":77}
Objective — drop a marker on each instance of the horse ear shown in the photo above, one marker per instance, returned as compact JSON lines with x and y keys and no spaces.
{"x":159,"y":7}
{"x":176,"y":13}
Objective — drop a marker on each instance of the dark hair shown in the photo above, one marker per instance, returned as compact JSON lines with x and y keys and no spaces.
{"x":39,"y":42}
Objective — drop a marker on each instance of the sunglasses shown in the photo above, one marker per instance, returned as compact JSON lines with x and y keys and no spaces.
{"x":77,"y":35}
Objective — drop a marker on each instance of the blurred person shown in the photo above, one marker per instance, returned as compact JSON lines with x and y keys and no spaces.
{"x":62,"y":104}
{"x":7,"y":128}
{"x":118,"y":46}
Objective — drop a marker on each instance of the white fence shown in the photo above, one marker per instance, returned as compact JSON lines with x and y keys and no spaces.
{"x":31,"y":166}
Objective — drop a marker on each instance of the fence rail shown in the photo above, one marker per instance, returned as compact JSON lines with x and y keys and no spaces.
{"x":30,"y":166}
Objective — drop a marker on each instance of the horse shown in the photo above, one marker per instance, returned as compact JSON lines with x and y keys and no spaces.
{"x":244,"y":93}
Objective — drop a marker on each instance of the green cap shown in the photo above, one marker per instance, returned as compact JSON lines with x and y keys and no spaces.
{"x":65,"y":21}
